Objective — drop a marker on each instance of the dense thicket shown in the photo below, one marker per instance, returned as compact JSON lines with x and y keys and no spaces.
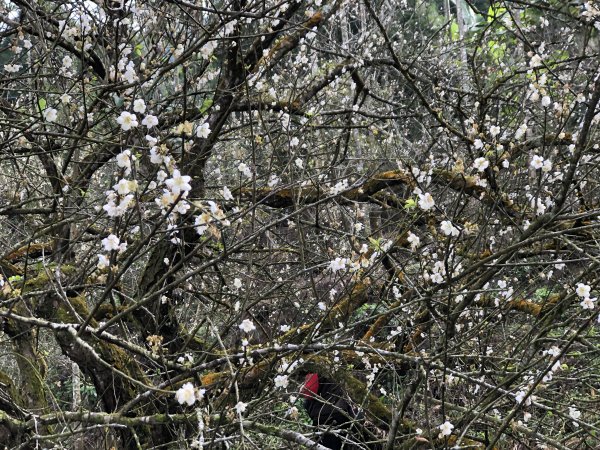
{"x":203,"y":202}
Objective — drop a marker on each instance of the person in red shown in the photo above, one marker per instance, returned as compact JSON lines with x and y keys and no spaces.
{"x":329,"y":410}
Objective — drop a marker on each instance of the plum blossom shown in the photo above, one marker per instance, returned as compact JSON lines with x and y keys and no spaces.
{"x":201,"y":223}
{"x":50,"y":114}
{"x":184,"y":128}
{"x":150,"y":121}
{"x":12,"y":68}
{"x":240,"y":407}
{"x":537,"y":162}
{"x":179,"y":183}
{"x":426,"y":201}
{"x":111,"y":242}
{"x":186,"y":394}
{"x":127,"y":121}
{"x":446,"y":428}
{"x":139,"y":106}
{"x":574,"y":414}
{"x":494,"y":130}
{"x":155,"y":156}
{"x":226,"y":193}
{"x":413,"y":240}
{"x":481,"y":164}
{"x":339,"y":187}
{"x":281,"y":381}
{"x":546,"y":101}
{"x":588,"y":303}
{"x":547,"y":166}
{"x":181,"y":207}
{"x":124,"y":186}
{"x":274,"y":180}
{"x":207,"y":49}
{"x":521,"y":131}
{"x":247,"y":326}
{"x":245,"y":170}
{"x":449,"y":229}
{"x":129,"y":75}
{"x":520,"y":398}
{"x":203,"y":131}
{"x":583,"y":290}
{"x":114,"y":210}
{"x":103,"y":262}
{"x":338,"y":264}
{"x":123,"y":159}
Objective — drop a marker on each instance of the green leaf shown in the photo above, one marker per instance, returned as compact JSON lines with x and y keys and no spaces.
{"x":118,"y":100}
{"x":138,"y":49}
{"x":454,"y":31}
{"x":42,"y":103}
{"x":495,"y":11}
{"x":205,"y":105}
{"x":375,"y":243}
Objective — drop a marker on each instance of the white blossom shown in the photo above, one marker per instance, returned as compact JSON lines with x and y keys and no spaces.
{"x":12,"y":68}
{"x":338,"y":264}
{"x":583,"y":290}
{"x":446,"y":428}
{"x":274,"y":180}
{"x":281,"y":381}
{"x":179,"y":183}
{"x":203,"y":130}
{"x":547,"y":166}
{"x":124,"y":186}
{"x":207,"y":49}
{"x":449,"y":229}
{"x":50,"y":114}
{"x":150,"y":121}
{"x":111,"y":242}
{"x":481,"y":164}
{"x":244,"y":169}
{"x":247,"y":326}
{"x":240,"y":407}
{"x":588,"y":303}
{"x":127,"y":121}
{"x":226,"y":193}
{"x":521,"y":131}
{"x":574,"y":413}
{"x":413,"y":240}
{"x":139,"y":105}
{"x":103,"y":261}
{"x":537,"y":162}
{"x":186,"y":394}
{"x":426,"y":201}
